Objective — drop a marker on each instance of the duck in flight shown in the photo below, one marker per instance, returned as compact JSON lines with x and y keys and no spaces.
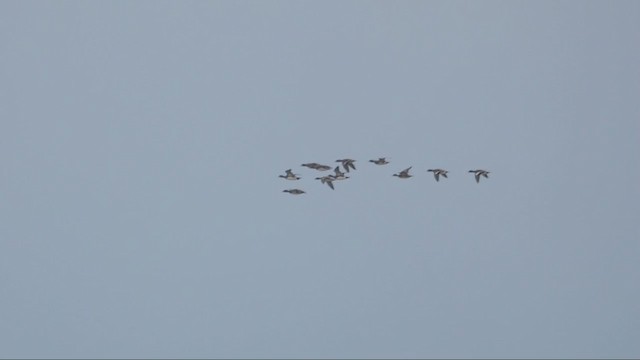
{"x":327,"y":180}
{"x":404,"y":174}
{"x":317,"y":166}
{"x":347,"y":163}
{"x":438,"y":172}
{"x":339,"y":174}
{"x":479,"y":173}
{"x":294,"y":191}
{"x":380,"y":161}
{"x":289,"y":175}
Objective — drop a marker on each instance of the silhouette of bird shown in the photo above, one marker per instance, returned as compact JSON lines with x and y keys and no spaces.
{"x":380,"y":161}
{"x":479,"y":173}
{"x":339,"y":174}
{"x":294,"y":191}
{"x":326,"y":180}
{"x":347,"y":163}
{"x":289,"y":175}
{"x":404,"y":174}
{"x":438,"y":172}
{"x":317,"y":166}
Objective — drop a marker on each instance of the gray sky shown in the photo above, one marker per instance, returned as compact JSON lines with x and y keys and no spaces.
{"x":142,"y":213}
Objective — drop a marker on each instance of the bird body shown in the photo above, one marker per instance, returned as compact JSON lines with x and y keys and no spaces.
{"x":438,"y":172}
{"x":479,"y":173}
{"x":327,"y":180}
{"x":289,"y":175}
{"x":294,"y":191}
{"x":380,"y":161}
{"x":339,"y":174}
{"x":404,"y":174}
{"x":317,"y":166}
{"x":339,"y":177}
{"x":347,"y":163}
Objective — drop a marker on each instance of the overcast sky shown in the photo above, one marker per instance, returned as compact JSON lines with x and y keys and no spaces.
{"x":141,"y":212}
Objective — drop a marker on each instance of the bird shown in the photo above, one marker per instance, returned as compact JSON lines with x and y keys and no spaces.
{"x":311,"y":165}
{"x":347,"y":163}
{"x":289,"y":175}
{"x":404,"y":174}
{"x":339,"y":174}
{"x":438,"y":172}
{"x":326,"y":180}
{"x":317,"y":166}
{"x":479,"y":173}
{"x":294,"y":191}
{"x":380,"y":161}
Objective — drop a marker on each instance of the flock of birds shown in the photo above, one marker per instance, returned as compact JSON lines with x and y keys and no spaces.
{"x":348,"y":164}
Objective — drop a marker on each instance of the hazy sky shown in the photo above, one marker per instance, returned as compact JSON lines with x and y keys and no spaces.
{"x":141,"y":212}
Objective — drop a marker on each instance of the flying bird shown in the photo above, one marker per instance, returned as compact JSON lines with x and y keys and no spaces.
{"x":339,"y":174}
{"x":479,"y":173}
{"x":438,"y":172}
{"x":317,"y":166}
{"x":380,"y":161}
{"x":294,"y":191}
{"x":404,"y":174}
{"x":347,"y":163}
{"x":326,"y":180}
{"x":289,"y":175}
